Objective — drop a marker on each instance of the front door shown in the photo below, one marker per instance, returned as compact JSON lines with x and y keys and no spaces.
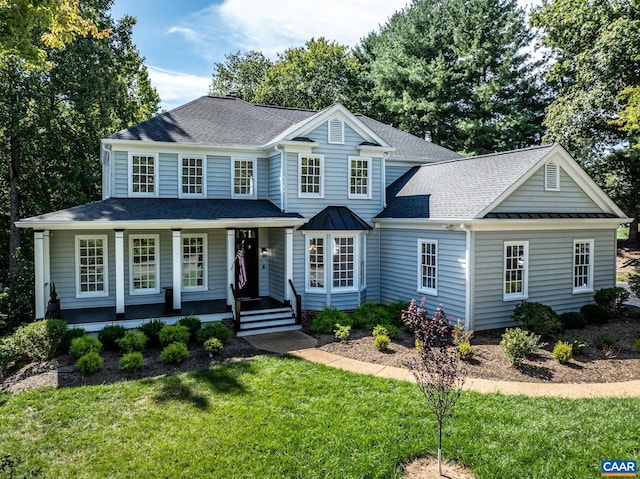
{"x":247,"y":283}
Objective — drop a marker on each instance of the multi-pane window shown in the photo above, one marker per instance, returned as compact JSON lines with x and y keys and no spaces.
{"x":243,"y":175}
{"x":91,"y":266}
{"x":316,"y":263}
{"x":515,"y":269}
{"x":428,"y":266}
{"x":582,"y":265}
{"x":194,"y":261}
{"x":144,"y":264}
{"x":143,"y":174}
{"x":310,"y":176}
{"x":359,"y":177}
{"x":343,"y":262}
{"x":192,"y":176}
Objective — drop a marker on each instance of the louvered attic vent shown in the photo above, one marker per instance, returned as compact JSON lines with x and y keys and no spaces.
{"x":552,"y":176}
{"x":336,"y":131}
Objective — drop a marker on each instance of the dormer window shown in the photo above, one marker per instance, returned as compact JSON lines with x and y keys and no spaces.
{"x":336,"y":131}
{"x":552,"y":176}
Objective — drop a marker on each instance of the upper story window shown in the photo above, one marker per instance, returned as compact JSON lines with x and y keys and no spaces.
{"x":582,"y":266}
{"x":91,"y":266}
{"x":336,"y":131}
{"x":552,"y":176}
{"x":516,"y":266}
{"x":194,"y":262}
{"x":144,"y":270}
{"x":359,"y":177}
{"x":192,"y":176}
{"x":243,"y":178}
{"x":428,"y":266}
{"x":311,"y":177}
{"x":143,"y":174}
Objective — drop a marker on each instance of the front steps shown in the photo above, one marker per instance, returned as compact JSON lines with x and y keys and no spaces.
{"x":263,"y":321}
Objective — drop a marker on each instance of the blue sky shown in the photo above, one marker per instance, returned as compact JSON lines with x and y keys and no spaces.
{"x":181,"y":40}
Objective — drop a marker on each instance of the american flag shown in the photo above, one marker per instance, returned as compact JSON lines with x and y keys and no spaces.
{"x":242,"y":268}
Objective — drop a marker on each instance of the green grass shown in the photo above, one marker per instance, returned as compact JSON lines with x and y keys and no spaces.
{"x":286,"y":418}
{"x":623,"y":232}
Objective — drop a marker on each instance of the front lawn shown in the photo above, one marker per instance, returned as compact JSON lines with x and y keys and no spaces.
{"x":280,"y":417}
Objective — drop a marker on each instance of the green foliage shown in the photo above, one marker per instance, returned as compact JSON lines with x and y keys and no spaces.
{"x":388,"y":330}
{"x":517,"y":344}
{"x":151,"y":329}
{"x":131,"y":362}
{"x":213,"y":346}
{"x":325,"y":320}
{"x":133,"y":341}
{"x":572,"y":320}
{"x":395,"y":309}
{"x":460,"y":335}
{"x":89,"y":363}
{"x":83,"y":345}
{"x":603,"y":339}
{"x":9,"y":354}
{"x":563,"y":352}
{"x":110,"y":335}
{"x":214,"y":330}
{"x":342,"y":333}
{"x":612,"y":299}
{"x":174,"y":353}
{"x":193,"y":323}
{"x":577,"y":345}
{"x":17,"y":298}
{"x":595,"y":314}
{"x":536,"y":317}
{"x":39,"y":340}
{"x":368,"y":315}
{"x":636,"y":346}
{"x":173,"y":334}
{"x":465,"y":351}
{"x":240,"y":73}
{"x":634,"y":282}
{"x":381,"y":342}
{"x":69,"y":335}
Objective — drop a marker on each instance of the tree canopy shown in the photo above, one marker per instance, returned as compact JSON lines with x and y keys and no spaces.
{"x":240,"y":73}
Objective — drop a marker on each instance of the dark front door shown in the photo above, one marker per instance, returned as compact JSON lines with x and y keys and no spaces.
{"x":246,"y":264}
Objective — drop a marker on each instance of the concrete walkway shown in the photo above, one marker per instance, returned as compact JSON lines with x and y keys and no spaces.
{"x":291,"y":343}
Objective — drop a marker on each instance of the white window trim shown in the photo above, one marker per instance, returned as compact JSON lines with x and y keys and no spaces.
{"x":307,"y":272}
{"x":356,"y":264}
{"x":424,"y":289}
{"x":105,"y":263}
{"x":525,"y":277}
{"x":330,"y":139}
{"x":204,"y":177}
{"x":156,"y":186}
{"x":328,"y":262}
{"x":253,"y":179}
{"x":548,"y":187}
{"x":589,"y":287}
{"x":354,"y":196}
{"x":310,"y":195}
{"x":205,"y":262}
{"x":155,"y":290}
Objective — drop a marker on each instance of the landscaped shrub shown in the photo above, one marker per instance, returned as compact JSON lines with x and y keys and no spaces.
{"x":573,"y":320}
{"x":465,"y":351}
{"x":342,"y":333}
{"x":213,"y":346}
{"x":395,"y":309}
{"x":603,"y":339}
{"x":131,"y":362}
{"x":325,"y":321}
{"x":110,"y":335}
{"x":9,"y":354}
{"x":83,"y":345}
{"x":192,"y":323}
{"x":174,"y":353}
{"x":429,"y":332}
{"x":595,"y":314}
{"x":151,"y":329}
{"x":562,"y":351}
{"x":636,"y":346}
{"x":214,"y":330}
{"x":68,"y":336}
{"x":133,"y":341}
{"x":40,"y":340}
{"x":367,"y":315}
{"x":537,"y":318}
{"x":577,"y":346}
{"x":381,"y":342}
{"x":174,"y":334}
{"x":460,"y":335}
{"x":517,"y":344}
{"x":612,"y":299}
{"x":89,"y":363}
{"x":389,"y":330}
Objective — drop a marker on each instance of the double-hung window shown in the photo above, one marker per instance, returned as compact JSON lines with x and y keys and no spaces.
{"x":194,"y":262}
{"x":582,"y":266}
{"x":516,"y":270}
{"x":192,"y":174}
{"x":243,"y":178}
{"x":428,"y":266}
{"x":344,"y":262}
{"x":315,"y":263}
{"x":359,"y":177}
{"x":91,"y":266}
{"x":143,"y":174}
{"x":333,"y":263}
{"x":311,"y":172}
{"x":144,"y":262}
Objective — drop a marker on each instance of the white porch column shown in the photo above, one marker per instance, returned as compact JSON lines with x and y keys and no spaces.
{"x":119,"y":273}
{"x":38,"y":264}
{"x":288,"y":262}
{"x":231,"y":257}
{"x":177,"y":270}
{"x":47,"y":265}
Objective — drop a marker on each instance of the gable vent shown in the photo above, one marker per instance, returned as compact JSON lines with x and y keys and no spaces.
{"x":552,"y":176}
{"x":336,"y":131}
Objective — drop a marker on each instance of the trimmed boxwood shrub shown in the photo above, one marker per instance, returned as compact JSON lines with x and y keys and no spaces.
{"x":174,"y":334}
{"x":133,"y":341}
{"x":595,"y":314}
{"x":174,"y":353}
{"x":214,"y":330}
{"x":192,"y":323}
{"x":68,"y":336}
{"x":89,"y":363}
{"x":325,"y":321}
{"x":573,"y":320}
{"x":110,"y":335}
{"x":213,"y":346}
{"x":537,"y":318}
{"x":151,"y":329}
{"x":83,"y":345}
{"x":131,"y":362}
{"x":563,"y":352}
{"x":381,"y":341}
{"x":367,"y":315}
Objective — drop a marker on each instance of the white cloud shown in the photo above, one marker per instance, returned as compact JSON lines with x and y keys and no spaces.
{"x":177,"y":88}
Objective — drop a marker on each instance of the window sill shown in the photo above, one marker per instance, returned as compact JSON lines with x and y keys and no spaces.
{"x":582,"y":291}
{"x":142,"y":292}
{"x":430,"y":292}
{"x":515,"y":298}
{"x":92,"y":296}
{"x":344,"y":290}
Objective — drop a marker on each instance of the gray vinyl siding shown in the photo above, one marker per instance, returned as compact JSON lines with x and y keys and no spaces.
{"x":216,"y":267}
{"x":273,"y":189}
{"x":550,"y":277}
{"x":121,"y":174}
{"x":218,"y":176}
{"x":260,"y":179}
{"x":276,"y":263}
{"x":399,"y":268}
{"x":168,"y":175}
{"x":531,"y":197}
{"x":372,"y":267}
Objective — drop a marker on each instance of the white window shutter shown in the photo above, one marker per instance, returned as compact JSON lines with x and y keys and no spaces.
{"x":336,"y":131}
{"x":552,"y":176}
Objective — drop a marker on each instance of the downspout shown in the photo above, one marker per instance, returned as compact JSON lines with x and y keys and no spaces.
{"x":384,"y":179}
{"x":283,"y":178}
{"x":469,"y":257}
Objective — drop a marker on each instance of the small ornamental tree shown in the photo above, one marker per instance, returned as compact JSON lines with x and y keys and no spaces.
{"x":438,"y":371}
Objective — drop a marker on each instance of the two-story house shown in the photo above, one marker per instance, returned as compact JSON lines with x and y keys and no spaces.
{"x":255,"y":213}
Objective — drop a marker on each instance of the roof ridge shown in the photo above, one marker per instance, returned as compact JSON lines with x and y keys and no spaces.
{"x":488,"y":155}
